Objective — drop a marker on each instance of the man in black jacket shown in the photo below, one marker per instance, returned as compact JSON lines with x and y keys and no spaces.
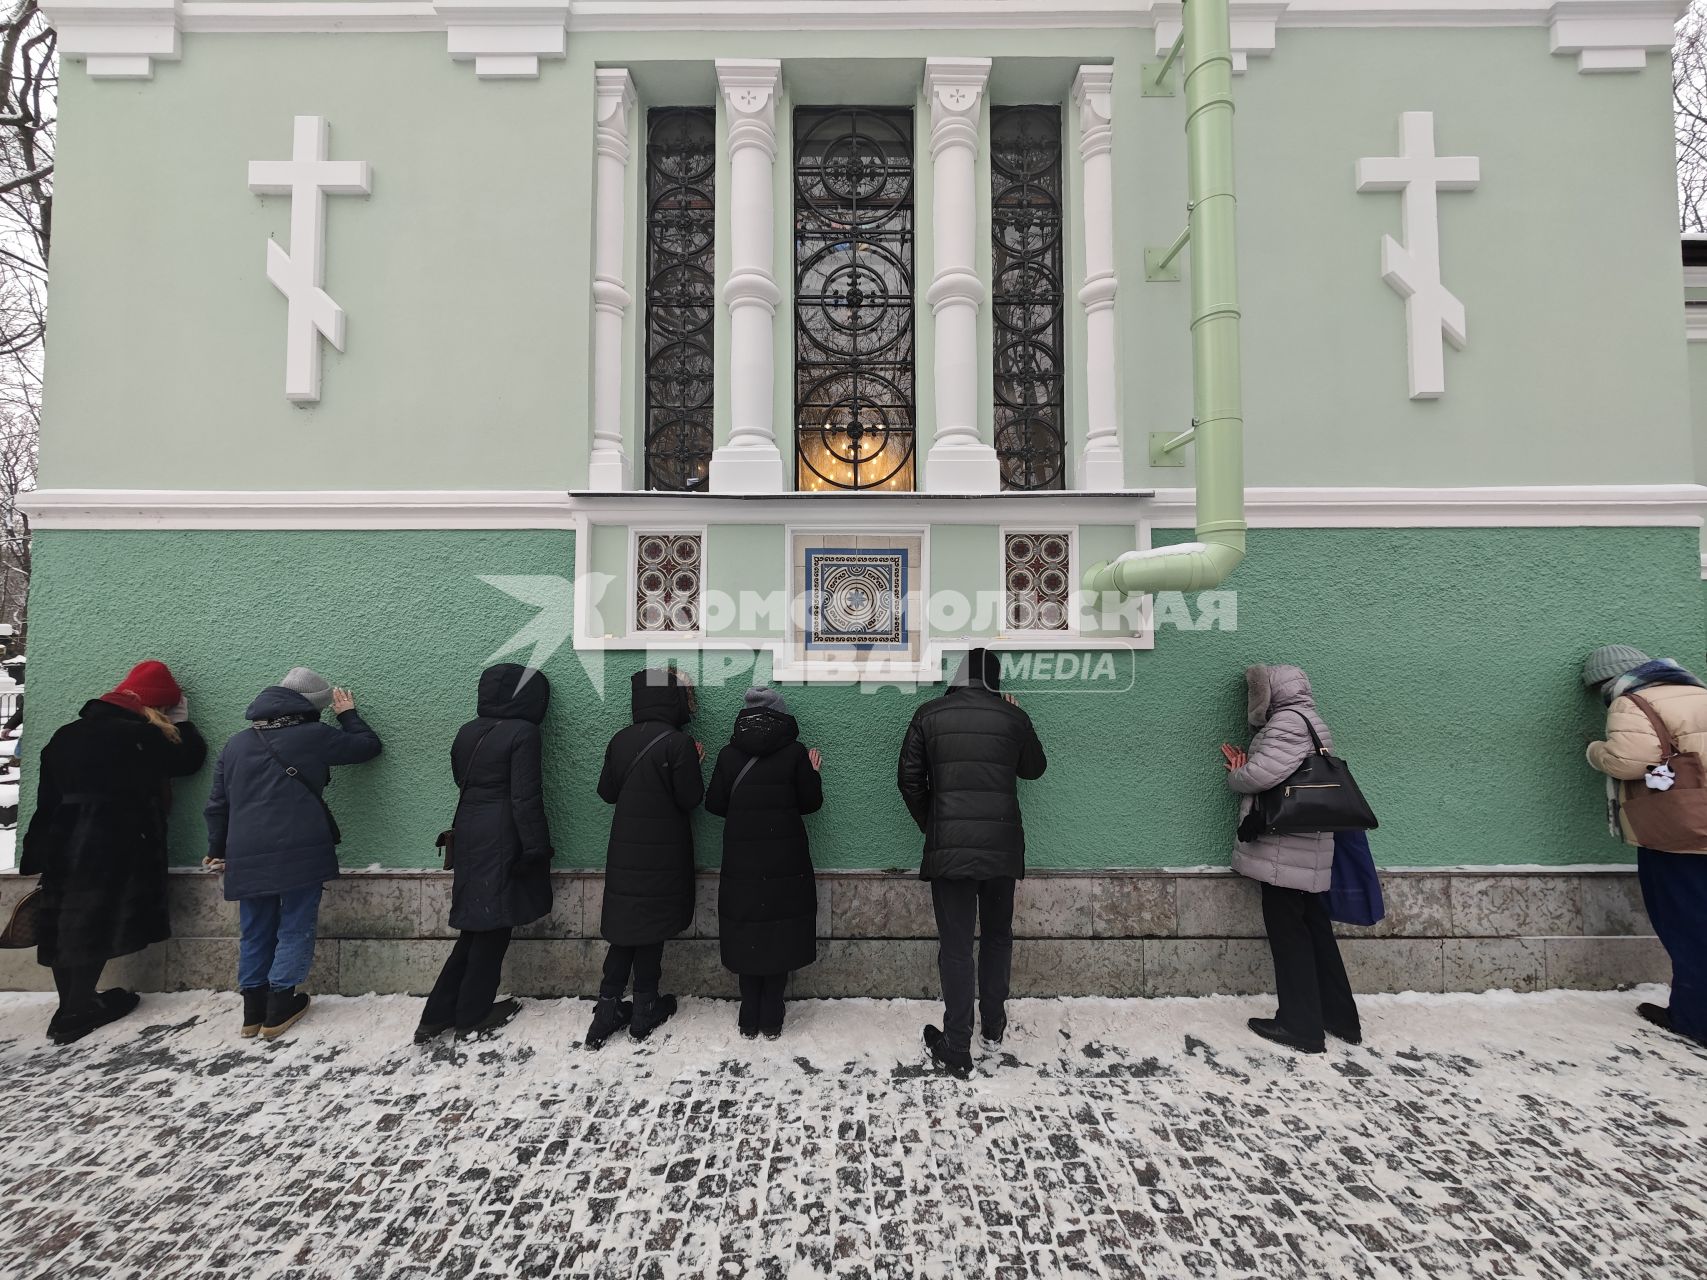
{"x":960,"y":763}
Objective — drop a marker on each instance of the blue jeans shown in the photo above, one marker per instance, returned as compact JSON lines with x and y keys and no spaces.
{"x":276,"y":943}
{"x":1674,"y":889}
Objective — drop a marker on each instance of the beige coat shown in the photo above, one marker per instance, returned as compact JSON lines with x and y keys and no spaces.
{"x":1631,"y":744}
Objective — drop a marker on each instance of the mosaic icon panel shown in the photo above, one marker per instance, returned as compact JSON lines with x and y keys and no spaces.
{"x":668,"y":571}
{"x":856,"y":599}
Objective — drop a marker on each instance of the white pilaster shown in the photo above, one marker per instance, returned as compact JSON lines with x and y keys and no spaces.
{"x":608,"y":466}
{"x":750,"y":462}
{"x":958,"y":461}
{"x":1101,"y":466}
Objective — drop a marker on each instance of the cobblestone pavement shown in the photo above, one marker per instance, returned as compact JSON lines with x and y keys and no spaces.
{"x":1550,"y":1135}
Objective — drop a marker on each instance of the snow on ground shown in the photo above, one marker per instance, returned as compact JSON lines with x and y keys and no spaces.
{"x":1552,"y":1136}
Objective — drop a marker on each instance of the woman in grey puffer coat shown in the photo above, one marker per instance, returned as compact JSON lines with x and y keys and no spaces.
{"x":1310,"y":979}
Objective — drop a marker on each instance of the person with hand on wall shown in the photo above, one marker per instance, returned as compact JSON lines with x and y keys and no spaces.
{"x":1295,"y":870}
{"x":960,"y":764}
{"x":767,"y":897}
{"x":1644,"y":697}
{"x":652,"y":775}
{"x":270,"y":831}
{"x":98,"y":839}
{"x":500,"y":850}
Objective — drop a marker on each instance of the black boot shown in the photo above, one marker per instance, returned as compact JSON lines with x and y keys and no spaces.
{"x":284,"y":1010}
{"x":109,"y":1006}
{"x":991,"y":1030}
{"x":426,"y":1031}
{"x":1352,"y":1034}
{"x":1656,"y":1014}
{"x":610,"y":1015}
{"x":957,"y":1062}
{"x":1272,"y":1029}
{"x":650,"y":1013}
{"x":500,"y":1013}
{"x":254,"y":1011}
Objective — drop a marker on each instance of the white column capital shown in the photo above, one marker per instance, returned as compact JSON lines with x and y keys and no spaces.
{"x":750,"y":88}
{"x":955,"y":88}
{"x":613,"y":108}
{"x":1093,"y":95}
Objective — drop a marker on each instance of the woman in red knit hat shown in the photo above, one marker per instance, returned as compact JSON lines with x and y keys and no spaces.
{"x":98,"y":839}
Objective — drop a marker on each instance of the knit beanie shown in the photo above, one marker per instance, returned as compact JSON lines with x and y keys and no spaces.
{"x":769,"y":699}
{"x":1611,"y":661}
{"x":149,"y":684}
{"x":311,"y":685}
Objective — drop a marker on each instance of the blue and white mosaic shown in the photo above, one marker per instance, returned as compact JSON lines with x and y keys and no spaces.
{"x":856,"y":599}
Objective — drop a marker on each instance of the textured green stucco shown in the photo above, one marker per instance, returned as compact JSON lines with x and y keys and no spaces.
{"x":1445,"y":660}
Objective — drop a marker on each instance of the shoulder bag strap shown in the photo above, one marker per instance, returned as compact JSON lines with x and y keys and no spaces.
{"x":635,"y":763}
{"x":1668,"y":743}
{"x":468,"y":772}
{"x":1310,"y":725}
{"x":745,"y":769}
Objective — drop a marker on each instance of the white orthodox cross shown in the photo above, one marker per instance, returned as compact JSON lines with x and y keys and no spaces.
{"x":307,"y":178}
{"x":1413,"y":268}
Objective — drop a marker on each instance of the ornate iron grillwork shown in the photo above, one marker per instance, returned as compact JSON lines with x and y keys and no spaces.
{"x":853,"y":298}
{"x":680,"y":295}
{"x":1025,"y":206}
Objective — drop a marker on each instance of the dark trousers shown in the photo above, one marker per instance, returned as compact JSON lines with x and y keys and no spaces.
{"x":646,"y":963}
{"x":761,"y":1001}
{"x":469,"y":981}
{"x":1309,"y":975}
{"x":962,"y":907}
{"x":76,"y":985}
{"x":1674,"y":889}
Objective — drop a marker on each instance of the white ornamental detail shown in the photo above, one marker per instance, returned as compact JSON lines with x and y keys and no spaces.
{"x":308,"y":177}
{"x":1413,"y":268}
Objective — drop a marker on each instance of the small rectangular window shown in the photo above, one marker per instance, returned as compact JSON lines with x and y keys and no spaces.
{"x":1037,"y":570}
{"x":668,"y":572}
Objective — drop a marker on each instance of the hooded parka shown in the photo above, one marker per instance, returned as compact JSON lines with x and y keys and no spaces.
{"x":1278,"y":700}
{"x":767,"y":898}
{"x":501,"y":875}
{"x":273,"y":831}
{"x":98,"y":837}
{"x":959,"y":766}
{"x":651,"y":774}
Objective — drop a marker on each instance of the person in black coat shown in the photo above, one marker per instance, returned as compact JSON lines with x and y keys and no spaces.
{"x":767,"y":897}
{"x":960,"y":762}
{"x":501,"y":850}
{"x":270,"y":831}
{"x":651,"y":774}
{"x":98,"y":839}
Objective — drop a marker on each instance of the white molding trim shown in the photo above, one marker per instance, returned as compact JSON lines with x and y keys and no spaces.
{"x":1351,"y":507}
{"x":505,"y":39}
{"x":1613,"y":35}
{"x":121,"y":39}
{"x":116,"y":39}
{"x":1695,"y":323}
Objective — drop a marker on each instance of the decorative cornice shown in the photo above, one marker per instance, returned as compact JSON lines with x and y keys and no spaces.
{"x":121,"y":39}
{"x":1548,"y":506}
{"x":116,"y":39}
{"x":505,"y":39}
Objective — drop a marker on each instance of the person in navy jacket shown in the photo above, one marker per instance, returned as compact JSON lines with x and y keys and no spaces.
{"x":270,"y":830}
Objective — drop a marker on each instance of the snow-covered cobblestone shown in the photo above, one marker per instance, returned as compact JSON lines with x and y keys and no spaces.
{"x":1551,"y":1136}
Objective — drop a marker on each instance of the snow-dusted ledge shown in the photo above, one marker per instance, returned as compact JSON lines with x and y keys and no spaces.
{"x":1111,"y":933}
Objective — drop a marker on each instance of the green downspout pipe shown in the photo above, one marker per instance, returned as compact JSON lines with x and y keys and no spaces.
{"x":1218,"y":419}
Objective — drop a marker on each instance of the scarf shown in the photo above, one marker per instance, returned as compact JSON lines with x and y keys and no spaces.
{"x":285,"y":722}
{"x":1654,"y":671}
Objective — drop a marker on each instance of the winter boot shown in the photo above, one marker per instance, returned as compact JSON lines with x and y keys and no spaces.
{"x":109,"y":1006}
{"x":500,"y":1013}
{"x":610,"y":1015}
{"x":1271,"y":1029}
{"x":1352,"y":1034}
{"x":284,"y":1010}
{"x":1656,"y":1014}
{"x":254,"y":1011}
{"x":991,"y":1030}
{"x":957,"y":1062}
{"x":430,"y":1031}
{"x":650,"y":1013}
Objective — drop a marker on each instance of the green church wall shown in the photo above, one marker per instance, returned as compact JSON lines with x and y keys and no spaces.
{"x":1446,"y":661}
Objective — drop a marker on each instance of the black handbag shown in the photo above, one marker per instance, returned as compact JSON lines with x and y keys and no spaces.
{"x":1321,"y":795}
